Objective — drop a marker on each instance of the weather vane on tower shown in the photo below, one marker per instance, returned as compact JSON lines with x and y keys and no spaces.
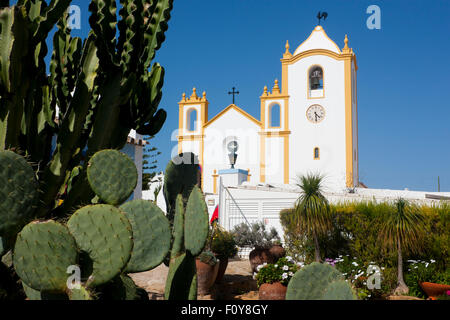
{"x":322,"y":15}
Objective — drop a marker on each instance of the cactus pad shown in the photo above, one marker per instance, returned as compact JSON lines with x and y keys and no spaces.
{"x":105,"y":234}
{"x":80,"y":294}
{"x":196,"y":224}
{"x":18,"y":193}
{"x":180,"y":176}
{"x":38,"y":295}
{"x":151,"y":235}
{"x":42,"y":254}
{"x":181,"y":283}
{"x":338,"y":290}
{"x":311,"y":282}
{"x":112,"y":175}
{"x":178,"y":228}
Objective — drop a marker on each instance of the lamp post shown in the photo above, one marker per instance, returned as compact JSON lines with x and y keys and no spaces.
{"x":232,"y":156}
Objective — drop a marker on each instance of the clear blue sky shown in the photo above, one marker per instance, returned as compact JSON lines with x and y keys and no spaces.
{"x":403,"y":77}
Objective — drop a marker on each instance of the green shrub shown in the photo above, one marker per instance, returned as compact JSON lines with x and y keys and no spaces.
{"x":424,"y":271}
{"x":255,"y":235}
{"x":355,"y":234}
{"x":223,"y":243}
{"x":208,"y":257}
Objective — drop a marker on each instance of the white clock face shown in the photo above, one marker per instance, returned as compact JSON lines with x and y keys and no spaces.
{"x":315,"y":113}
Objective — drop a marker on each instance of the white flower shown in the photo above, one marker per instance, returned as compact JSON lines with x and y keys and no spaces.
{"x":289,"y":258}
{"x":291,"y":273}
{"x":258,"y":268}
{"x":432,"y":261}
{"x":284,"y":275}
{"x":276,"y":266}
{"x":285,"y":268}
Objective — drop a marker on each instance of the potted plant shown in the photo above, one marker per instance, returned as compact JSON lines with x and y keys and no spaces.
{"x":224,"y":247}
{"x":272,"y":279}
{"x":255,"y":236}
{"x":434,"y":290}
{"x":277,"y":251}
{"x":207,"y":268}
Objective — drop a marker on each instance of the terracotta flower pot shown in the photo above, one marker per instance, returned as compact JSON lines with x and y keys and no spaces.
{"x":277,"y":251}
{"x":223,"y":264}
{"x":272,"y":291}
{"x":206,"y":275}
{"x":259,"y":256}
{"x":434,"y":290}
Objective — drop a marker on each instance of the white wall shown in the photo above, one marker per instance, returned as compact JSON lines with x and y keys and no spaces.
{"x":232,"y":125}
{"x":328,"y":135}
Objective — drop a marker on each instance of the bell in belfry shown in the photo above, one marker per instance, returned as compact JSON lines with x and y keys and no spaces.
{"x":316,"y":75}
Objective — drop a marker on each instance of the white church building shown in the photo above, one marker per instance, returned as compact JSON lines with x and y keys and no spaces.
{"x":309,"y":123}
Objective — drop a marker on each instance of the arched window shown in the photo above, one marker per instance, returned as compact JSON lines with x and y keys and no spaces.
{"x":275,"y":116}
{"x":192,"y":120}
{"x":316,"y":153}
{"x":315,"y":77}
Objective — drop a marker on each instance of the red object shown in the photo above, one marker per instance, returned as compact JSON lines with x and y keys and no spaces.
{"x":215,"y":215}
{"x":434,"y":290}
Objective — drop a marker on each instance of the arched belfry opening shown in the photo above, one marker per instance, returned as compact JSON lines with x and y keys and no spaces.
{"x":316,"y":84}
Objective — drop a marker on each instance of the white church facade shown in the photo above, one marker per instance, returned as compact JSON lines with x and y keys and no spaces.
{"x":309,"y":123}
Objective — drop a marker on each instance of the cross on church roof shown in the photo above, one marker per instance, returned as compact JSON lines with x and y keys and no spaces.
{"x":233,"y":93}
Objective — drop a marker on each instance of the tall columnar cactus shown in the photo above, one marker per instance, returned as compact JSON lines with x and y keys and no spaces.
{"x":98,"y":88}
{"x":190,"y":232}
{"x":319,"y":282}
{"x":103,"y":241}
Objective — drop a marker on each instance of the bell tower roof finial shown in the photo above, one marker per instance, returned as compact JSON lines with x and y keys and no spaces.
{"x":346,"y":49}
{"x":287,"y":54}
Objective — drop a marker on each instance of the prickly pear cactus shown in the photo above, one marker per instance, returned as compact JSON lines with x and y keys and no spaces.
{"x":317,"y":282}
{"x":196,"y":224}
{"x":80,"y":294}
{"x":42,"y":254}
{"x":103,"y":241}
{"x":180,"y":177}
{"x":105,"y":234}
{"x":338,"y":290}
{"x":190,"y":232}
{"x":151,"y":233}
{"x":112,"y":175}
{"x":18,"y":193}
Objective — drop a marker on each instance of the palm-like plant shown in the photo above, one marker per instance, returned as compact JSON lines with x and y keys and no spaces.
{"x":312,"y":211}
{"x":403,"y":231}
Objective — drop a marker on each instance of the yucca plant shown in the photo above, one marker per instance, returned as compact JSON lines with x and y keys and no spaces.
{"x":312,"y":211}
{"x":403,"y":231}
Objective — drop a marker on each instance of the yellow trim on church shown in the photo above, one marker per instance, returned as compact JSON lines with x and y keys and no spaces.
{"x":233,"y":106}
{"x":319,"y":29}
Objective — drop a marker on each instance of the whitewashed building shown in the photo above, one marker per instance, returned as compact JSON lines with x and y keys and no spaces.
{"x":309,"y":123}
